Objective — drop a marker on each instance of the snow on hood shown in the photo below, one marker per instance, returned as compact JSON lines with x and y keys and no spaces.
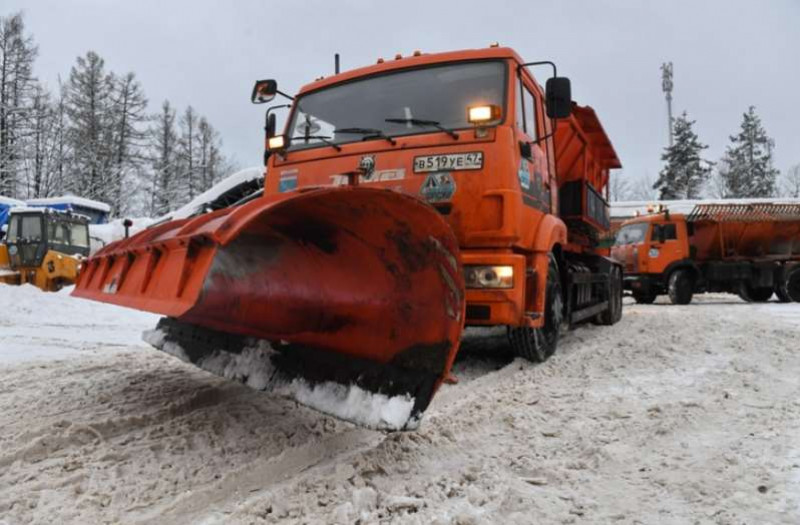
{"x":196,"y":205}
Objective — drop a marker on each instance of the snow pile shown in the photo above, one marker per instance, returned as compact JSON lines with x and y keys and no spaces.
{"x":44,"y":325}
{"x":197,"y":204}
{"x":352,"y":403}
{"x":103,"y":234}
{"x":72,"y":200}
{"x":11,"y":203}
{"x":253,"y":367}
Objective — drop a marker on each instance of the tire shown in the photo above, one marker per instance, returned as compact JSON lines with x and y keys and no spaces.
{"x":614,"y":312}
{"x":538,"y":344}
{"x":782,"y":293}
{"x":681,"y":287}
{"x":755,"y":295}
{"x":644,"y":298}
{"x":793,"y":285}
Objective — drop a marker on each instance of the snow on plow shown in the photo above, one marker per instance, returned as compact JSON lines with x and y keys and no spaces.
{"x":348,"y":299}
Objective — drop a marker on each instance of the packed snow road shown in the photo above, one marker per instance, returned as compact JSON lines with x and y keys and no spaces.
{"x":676,"y":415}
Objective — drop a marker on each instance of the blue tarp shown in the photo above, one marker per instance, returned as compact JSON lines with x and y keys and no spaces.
{"x":6,"y":204}
{"x":4,"y":213}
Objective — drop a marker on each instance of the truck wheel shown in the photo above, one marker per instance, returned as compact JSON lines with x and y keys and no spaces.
{"x":680,"y":287}
{"x":793,"y":285}
{"x":614,"y":312}
{"x":644,"y":298}
{"x":537,"y":344}
{"x":754,"y":295}
{"x":782,"y":293}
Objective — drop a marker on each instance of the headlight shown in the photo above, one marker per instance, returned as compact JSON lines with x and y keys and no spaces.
{"x":481,"y":115}
{"x":489,"y":276}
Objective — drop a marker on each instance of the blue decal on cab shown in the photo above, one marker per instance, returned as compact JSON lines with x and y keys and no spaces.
{"x":287,"y":184}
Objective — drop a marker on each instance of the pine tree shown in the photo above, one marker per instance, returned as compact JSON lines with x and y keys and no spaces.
{"x":747,"y":167}
{"x":17,"y":54}
{"x":89,"y":108}
{"x":685,"y":172}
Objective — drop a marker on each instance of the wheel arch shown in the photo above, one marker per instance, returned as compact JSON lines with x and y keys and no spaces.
{"x":551,"y":232}
{"x":683,"y":264}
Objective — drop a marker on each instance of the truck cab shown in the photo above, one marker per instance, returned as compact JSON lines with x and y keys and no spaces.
{"x":473,"y":134}
{"x":650,"y":248}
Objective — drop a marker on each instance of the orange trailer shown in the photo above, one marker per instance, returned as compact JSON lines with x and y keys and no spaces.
{"x":752,"y":250}
{"x":403,"y":201}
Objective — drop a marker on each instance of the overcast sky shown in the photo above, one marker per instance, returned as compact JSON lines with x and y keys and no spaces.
{"x":727,"y":55}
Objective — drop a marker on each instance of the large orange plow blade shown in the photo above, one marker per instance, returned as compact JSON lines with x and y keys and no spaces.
{"x":358,"y":291}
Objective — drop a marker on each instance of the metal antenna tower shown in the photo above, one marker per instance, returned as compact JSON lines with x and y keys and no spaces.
{"x":666,"y":86}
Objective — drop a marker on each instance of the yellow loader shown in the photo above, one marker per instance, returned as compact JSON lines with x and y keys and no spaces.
{"x":43,"y":247}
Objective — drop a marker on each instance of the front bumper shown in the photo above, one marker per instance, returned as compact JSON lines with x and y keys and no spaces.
{"x":642,"y":282}
{"x":489,"y":307}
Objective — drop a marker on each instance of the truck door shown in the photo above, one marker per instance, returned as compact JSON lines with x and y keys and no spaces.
{"x":532,"y":170}
{"x":664,"y":247}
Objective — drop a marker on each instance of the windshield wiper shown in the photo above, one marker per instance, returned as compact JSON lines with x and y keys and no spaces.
{"x":422,"y":122}
{"x":368,"y":133}
{"x":321,"y":138}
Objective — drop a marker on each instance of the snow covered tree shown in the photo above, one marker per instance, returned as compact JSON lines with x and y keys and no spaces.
{"x":40,"y":153}
{"x":685,"y":172}
{"x":213,"y":164}
{"x":163,"y":157}
{"x":791,"y":182}
{"x":17,"y":54}
{"x":642,"y":189}
{"x":187,"y":153}
{"x":747,"y":168}
{"x":128,"y":113}
{"x":90,"y":127}
{"x":619,"y":187}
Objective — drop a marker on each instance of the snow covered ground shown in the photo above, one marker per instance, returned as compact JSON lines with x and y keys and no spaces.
{"x":676,"y":415}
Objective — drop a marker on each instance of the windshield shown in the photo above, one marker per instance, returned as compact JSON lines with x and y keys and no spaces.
{"x":438,"y":94}
{"x":31,"y":227}
{"x":632,"y":233}
{"x":80,"y":235}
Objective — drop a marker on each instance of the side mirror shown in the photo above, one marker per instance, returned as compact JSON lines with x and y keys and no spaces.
{"x":558,"y":93}
{"x":270,"y":129}
{"x":264,"y":91}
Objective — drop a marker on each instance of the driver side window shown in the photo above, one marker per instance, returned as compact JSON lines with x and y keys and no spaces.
{"x":666,"y":232}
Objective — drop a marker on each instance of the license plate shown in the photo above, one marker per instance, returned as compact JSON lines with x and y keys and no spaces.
{"x":451,"y":162}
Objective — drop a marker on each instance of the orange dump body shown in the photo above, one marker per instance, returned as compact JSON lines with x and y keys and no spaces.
{"x":742,"y":231}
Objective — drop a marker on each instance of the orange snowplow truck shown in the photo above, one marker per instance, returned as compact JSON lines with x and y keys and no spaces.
{"x":402,"y":201}
{"x":752,"y":250}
